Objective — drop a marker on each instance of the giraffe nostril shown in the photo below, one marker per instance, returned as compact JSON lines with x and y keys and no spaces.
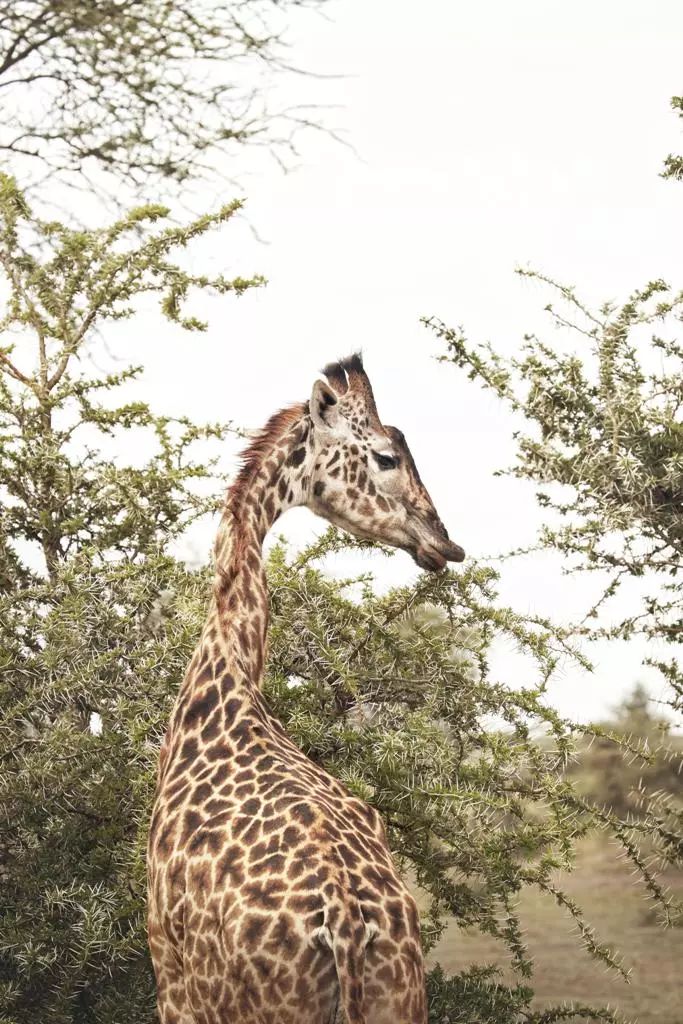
{"x":454,"y":553}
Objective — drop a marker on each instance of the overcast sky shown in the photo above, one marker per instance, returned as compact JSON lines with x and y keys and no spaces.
{"x":486,"y":135}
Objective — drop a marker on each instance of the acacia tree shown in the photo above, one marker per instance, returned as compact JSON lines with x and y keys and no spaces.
{"x":601,"y":438}
{"x":62,"y":286}
{"x":601,"y":422}
{"x":604,"y":422}
{"x":142,"y":89}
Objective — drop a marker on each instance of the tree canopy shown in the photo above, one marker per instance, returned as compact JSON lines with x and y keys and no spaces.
{"x":62,"y":285}
{"x":602,"y":441}
{"x":142,"y":89}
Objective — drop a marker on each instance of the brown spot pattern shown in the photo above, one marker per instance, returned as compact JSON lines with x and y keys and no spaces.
{"x":257,"y":857}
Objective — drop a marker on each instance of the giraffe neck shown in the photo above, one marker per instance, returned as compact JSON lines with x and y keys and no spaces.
{"x":226,"y":671}
{"x":237,"y":622}
{"x":224,"y":675}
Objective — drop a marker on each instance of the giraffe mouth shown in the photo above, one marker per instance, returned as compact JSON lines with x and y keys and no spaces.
{"x":434,"y":559}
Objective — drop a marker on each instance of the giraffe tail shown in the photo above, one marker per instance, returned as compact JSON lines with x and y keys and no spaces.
{"x":346,"y":932}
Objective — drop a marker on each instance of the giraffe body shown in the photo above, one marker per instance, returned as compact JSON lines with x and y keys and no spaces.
{"x":273,"y":897}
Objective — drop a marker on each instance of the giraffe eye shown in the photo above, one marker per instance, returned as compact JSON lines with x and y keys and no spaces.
{"x":385,"y":461}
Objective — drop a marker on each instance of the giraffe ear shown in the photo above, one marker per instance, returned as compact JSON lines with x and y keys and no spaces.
{"x":324,"y":407}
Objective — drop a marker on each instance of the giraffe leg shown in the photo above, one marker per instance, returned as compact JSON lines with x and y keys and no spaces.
{"x":246,"y":973}
{"x":172,"y":1001}
{"x":395,"y":984}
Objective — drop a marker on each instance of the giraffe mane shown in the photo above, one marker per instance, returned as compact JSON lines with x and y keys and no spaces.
{"x":259,"y":448}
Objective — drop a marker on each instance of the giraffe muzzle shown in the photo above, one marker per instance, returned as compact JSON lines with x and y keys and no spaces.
{"x":434,"y":557}
{"x":432,"y":548}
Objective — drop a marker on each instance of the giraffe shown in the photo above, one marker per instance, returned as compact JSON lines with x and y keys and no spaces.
{"x":273,"y":897}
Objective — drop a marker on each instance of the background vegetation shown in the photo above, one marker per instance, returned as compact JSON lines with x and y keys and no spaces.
{"x":121,"y":95}
{"x":491,"y":798}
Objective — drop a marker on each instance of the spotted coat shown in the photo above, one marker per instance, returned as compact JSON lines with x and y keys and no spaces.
{"x":273,"y":897}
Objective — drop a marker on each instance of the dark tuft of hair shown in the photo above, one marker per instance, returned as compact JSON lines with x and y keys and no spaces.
{"x":336,"y":373}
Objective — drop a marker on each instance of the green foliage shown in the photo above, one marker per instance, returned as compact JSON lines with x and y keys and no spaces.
{"x":476,"y":995}
{"x":603,"y":443}
{"x":141,"y":89}
{"x":395,"y":696}
{"x":392,"y":693}
{"x":673,"y":165}
{"x":75,"y":801}
{"x":59,"y":491}
{"x":600,"y":437}
{"x":602,"y":440}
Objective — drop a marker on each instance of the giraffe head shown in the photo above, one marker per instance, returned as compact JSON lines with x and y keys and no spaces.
{"x":362,"y":475}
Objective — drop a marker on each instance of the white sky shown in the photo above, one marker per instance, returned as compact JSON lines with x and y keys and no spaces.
{"x":487,"y":135}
